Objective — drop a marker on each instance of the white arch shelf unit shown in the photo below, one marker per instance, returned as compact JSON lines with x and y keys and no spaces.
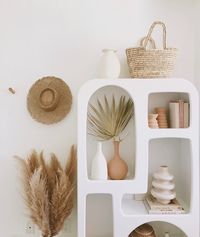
{"x":178,"y":148}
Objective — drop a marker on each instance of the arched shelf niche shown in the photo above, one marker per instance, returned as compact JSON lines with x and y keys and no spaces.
{"x":127,"y":145}
{"x":162,"y":227}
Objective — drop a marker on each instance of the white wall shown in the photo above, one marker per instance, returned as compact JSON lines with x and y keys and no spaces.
{"x":64,"y":38}
{"x":197,"y":45}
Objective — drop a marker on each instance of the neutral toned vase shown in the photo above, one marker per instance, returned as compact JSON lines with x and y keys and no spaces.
{"x":162,"y":117}
{"x":152,"y":120}
{"x":99,"y":169}
{"x":117,"y":168}
{"x":144,"y":230}
{"x":166,"y":234}
{"x":163,"y":185}
{"x":109,"y":64}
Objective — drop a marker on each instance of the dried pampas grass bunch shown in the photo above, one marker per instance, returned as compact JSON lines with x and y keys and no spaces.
{"x":48,"y":190}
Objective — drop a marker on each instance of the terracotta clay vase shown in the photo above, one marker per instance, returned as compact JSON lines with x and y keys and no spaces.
{"x":162,"y":117}
{"x":117,"y":168}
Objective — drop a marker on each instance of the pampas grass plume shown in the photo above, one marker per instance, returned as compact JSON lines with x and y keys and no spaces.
{"x":48,"y":190}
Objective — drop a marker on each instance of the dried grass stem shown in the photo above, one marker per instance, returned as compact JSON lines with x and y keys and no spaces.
{"x":48,"y":190}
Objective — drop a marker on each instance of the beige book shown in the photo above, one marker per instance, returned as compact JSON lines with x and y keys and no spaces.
{"x":186,"y":115}
{"x":174,"y":114}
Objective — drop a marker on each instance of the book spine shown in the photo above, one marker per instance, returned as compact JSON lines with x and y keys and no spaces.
{"x":166,"y":208}
{"x":181,"y":113}
{"x":163,"y":207}
{"x":186,"y":115}
{"x":162,"y":211}
{"x":174,"y":114}
{"x":166,"y":212}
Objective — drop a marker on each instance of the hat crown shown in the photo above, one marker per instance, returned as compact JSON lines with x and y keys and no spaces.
{"x":48,"y":99}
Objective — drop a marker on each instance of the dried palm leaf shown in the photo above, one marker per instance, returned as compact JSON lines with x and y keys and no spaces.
{"x":108,"y":121}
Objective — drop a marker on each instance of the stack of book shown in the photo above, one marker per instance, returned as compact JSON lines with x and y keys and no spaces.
{"x":179,"y":114}
{"x":154,"y":207}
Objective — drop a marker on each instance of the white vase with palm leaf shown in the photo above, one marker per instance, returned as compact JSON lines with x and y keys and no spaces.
{"x":108,"y":121}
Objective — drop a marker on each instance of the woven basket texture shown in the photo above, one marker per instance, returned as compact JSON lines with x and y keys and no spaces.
{"x":151,"y":63}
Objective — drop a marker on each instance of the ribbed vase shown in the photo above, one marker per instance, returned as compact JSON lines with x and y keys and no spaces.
{"x":163,"y":185}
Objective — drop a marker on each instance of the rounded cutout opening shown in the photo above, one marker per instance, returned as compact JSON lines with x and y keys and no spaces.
{"x":107,"y":101}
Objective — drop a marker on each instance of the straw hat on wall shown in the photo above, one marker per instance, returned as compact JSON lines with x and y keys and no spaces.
{"x":49,"y":100}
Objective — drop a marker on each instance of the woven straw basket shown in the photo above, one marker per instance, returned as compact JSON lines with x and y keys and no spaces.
{"x":151,"y":63}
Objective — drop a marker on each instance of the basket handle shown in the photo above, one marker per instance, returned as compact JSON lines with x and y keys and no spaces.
{"x":151,"y":41}
{"x":151,"y":30}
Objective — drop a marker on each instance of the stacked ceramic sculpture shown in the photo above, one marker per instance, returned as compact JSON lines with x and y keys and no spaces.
{"x":152,"y":121}
{"x":163,"y":185}
{"x":162,"y":117}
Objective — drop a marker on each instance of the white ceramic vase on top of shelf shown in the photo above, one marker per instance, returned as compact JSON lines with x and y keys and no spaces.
{"x":163,"y":185}
{"x":109,"y":64}
{"x":166,"y":234}
{"x":99,"y":165}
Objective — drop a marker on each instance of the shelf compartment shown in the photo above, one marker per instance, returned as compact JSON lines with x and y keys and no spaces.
{"x":170,"y":133}
{"x":132,"y":207}
{"x":156,"y":100}
{"x":176,"y":154}
{"x":114,"y":186}
{"x":99,"y":212}
{"x":127,"y":146}
{"x":161,"y":227}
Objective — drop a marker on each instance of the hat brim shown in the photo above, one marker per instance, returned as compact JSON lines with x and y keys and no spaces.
{"x":63,"y":107}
